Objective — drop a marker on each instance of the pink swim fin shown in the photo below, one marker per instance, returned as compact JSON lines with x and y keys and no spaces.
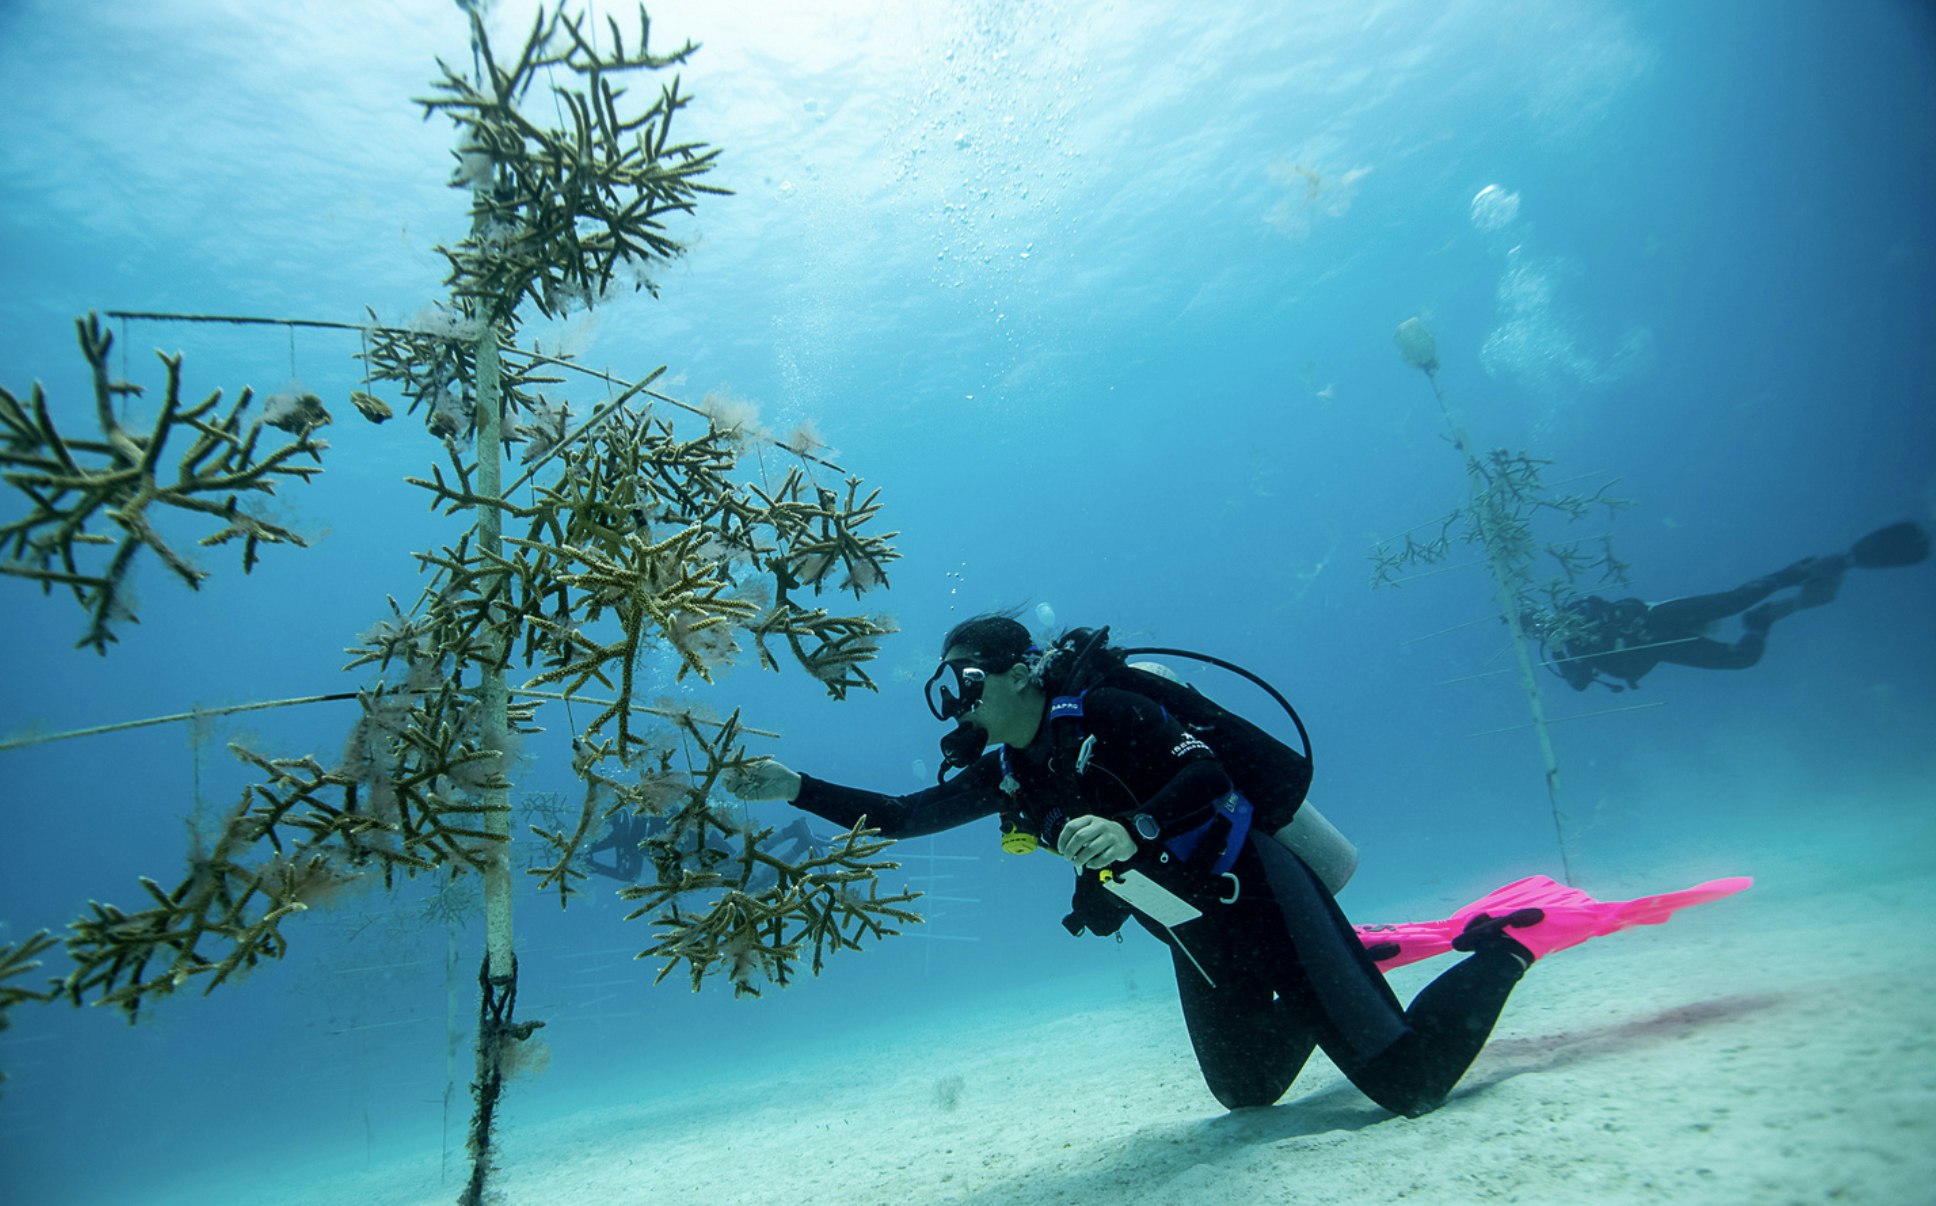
{"x":1571,"y":918}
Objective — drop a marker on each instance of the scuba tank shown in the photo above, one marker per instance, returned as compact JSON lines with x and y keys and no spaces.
{"x":1271,"y":775}
{"x":1274,"y":777}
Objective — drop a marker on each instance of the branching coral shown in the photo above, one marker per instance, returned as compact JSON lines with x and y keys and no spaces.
{"x":77,"y":487}
{"x":831,"y":648}
{"x":17,"y":960}
{"x":824,"y":534}
{"x":588,"y":596}
{"x":434,"y":366}
{"x":223,"y":900}
{"x":558,"y":212}
{"x":753,"y":936}
{"x":640,"y":543}
{"x":407,"y":795}
{"x":1508,"y":499}
{"x":589,"y":556}
{"x":653,"y":589}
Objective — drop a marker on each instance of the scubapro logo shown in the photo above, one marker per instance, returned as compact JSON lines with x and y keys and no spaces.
{"x":1188,"y":745}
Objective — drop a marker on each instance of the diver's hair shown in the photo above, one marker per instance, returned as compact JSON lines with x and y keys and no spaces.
{"x":995,"y":639}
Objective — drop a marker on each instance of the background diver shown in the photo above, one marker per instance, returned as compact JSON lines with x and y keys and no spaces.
{"x":1591,"y":639}
{"x":1267,"y":966}
{"x":628,"y":836}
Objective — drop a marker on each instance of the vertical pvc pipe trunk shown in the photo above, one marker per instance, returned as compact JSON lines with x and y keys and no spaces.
{"x":492,"y":694}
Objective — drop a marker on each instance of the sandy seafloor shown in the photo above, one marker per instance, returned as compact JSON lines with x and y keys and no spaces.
{"x":1775,"y":1047}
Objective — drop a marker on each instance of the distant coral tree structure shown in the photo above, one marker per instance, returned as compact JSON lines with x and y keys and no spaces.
{"x":1506,"y":497}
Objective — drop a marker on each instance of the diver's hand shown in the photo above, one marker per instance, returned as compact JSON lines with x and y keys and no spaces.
{"x":1092,"y":842}
{"x":762,"y":779}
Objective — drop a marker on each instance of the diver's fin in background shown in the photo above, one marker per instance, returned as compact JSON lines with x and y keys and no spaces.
{"x":1898,"y":544}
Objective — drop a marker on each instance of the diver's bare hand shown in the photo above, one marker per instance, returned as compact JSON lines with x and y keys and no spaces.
{"x":762,"y":779}
{"x":1093,"y":842}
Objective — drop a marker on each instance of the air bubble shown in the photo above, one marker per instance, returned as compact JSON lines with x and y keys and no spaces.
{"x":1494,"y":208}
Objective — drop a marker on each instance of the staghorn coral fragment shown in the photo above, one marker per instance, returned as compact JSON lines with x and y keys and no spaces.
{"x":648,"y":587}
{"x":839,"y":644}
{"x":19,"y":959}
{"x":221,"y":902}
{"x":296,"y":411}
{"x":558,"y":211}
{"x":434,"y":365}
{"x":371,"y":407}
{"x":405,"y":799}
{"x":76,"y":487}
{"x":1509,"y":495}
{"x":751,"y":936}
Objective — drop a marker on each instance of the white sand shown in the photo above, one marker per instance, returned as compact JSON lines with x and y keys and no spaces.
{"x":1773,"y":1048}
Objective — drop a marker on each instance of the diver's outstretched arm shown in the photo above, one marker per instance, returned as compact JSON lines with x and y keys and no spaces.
{"x":764,"y":779}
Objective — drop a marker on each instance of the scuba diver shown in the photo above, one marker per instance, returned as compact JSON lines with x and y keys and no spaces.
{"x":1266,"y":964}
{"x":630,"y":836}
{"x":625,"y":835}
{"x":1601,"y":640}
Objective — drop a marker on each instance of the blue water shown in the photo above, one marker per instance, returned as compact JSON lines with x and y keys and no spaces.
{"x":1102,"y":299}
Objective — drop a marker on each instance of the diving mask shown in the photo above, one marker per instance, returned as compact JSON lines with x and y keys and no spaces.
{"x":952,"y":701}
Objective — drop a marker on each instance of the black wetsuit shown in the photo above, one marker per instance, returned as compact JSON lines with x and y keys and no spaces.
{"x":1625,"y":638}
{"x":1263,"y":979}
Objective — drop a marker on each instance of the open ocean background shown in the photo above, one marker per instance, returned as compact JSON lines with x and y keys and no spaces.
{"x":1101,"y":297}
